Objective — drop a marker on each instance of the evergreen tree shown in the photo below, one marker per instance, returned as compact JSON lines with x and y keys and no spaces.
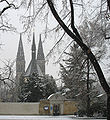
{"x":50,"y":86}
{"x":31,"y":89}
{"x":35,"y":88}
{"x":73,"y":72}
{"x":75,"y":77}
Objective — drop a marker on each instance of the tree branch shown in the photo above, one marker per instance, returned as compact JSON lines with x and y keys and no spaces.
{"x":108,"y":4}
{"x":4,"y":9}
{"x":72,"y":21}
{"x":10,"y":5}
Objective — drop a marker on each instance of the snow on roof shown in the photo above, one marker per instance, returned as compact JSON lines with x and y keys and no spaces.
{"x":100,"y":95}
{"x":78,"y":94}
{"x":67,"y":90}
{"x":57,"y":96}
{"x":50,"y":96}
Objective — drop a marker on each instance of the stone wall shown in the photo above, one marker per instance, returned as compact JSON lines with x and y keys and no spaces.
{"x":70,"y":107}
{"x":19,"y":108}
{"x":44,"y":107}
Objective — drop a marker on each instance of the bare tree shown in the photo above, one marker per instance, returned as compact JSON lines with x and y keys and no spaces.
{"x":7,"y":5}
{"x":7,"y":81}
{"x":74,"y":34}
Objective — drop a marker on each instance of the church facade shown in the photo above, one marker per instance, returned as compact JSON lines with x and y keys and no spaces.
{"x":37,"y":63}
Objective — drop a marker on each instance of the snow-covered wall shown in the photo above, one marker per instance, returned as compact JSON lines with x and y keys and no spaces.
{"x":19,"y":108}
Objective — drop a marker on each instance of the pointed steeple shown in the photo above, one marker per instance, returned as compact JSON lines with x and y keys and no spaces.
{"x":40,"y":54}
{"x":40,"y":57}
{"x":20,"y":66}
{"x":20,"y":53}
{"x":20,"y":60}
{"x":33,"y":48}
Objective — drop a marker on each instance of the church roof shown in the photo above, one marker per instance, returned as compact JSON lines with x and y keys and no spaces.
{"x":33,"y":67}
{"x":56,"y":96}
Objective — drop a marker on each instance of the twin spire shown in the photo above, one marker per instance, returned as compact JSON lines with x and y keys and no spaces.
{"x":36,"y":65}
{"x":40,"y":54}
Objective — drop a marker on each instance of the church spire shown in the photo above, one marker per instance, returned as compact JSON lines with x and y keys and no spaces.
{"x":20,"y":65}
{"x":40,"y":54}
{"x":33,"y":48}
{"x":20,"y":53}
{"x":20,"y":60}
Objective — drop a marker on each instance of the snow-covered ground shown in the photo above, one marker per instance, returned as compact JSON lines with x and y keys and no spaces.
{"x":43,"y":118}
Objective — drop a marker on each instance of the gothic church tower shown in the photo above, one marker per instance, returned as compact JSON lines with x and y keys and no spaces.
{"x":35,"y":65}
{"x":40,"y":56}
{"x":20,"y":61}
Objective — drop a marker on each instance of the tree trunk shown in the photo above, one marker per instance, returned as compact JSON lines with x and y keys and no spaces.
{"x":88,"y":91}
{"x":108,"y":4}
{"x":108,"y":106}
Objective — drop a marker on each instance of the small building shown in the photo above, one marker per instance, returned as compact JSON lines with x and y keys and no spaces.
{"x":57,"y":104}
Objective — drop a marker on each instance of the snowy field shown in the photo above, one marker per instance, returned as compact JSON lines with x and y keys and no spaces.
{"x":43,"y":118}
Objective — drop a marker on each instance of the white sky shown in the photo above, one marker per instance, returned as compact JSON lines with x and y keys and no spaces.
{"x":10,"y":46}
{"x":10,"y":41}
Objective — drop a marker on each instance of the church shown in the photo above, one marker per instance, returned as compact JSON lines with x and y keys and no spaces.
{"x":35,"y":65}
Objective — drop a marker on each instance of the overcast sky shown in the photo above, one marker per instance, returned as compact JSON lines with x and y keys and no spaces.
{"x":10,"y":42}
